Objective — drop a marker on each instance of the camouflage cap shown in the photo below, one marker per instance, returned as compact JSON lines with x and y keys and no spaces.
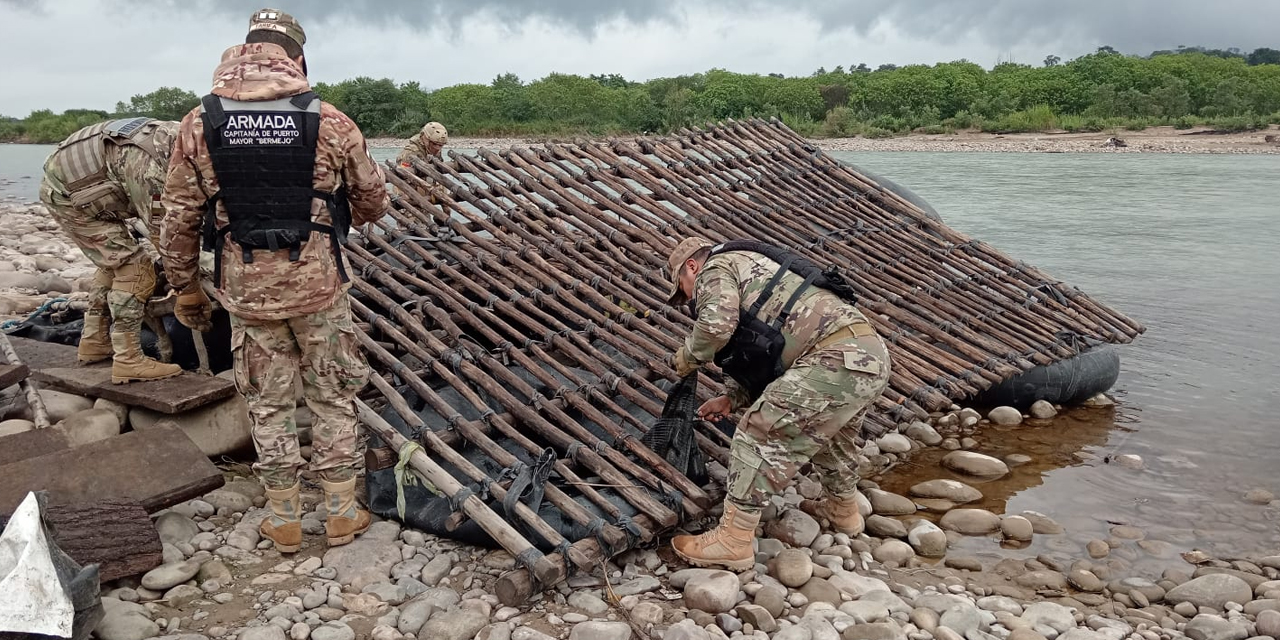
{"x":276,"y":20}
{"x":679,"y":255}
{"x":435,"y":132}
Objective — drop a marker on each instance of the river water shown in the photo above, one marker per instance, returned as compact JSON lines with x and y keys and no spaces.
{"x":1184,"y":244}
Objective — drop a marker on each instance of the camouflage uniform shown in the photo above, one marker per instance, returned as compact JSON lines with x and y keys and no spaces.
{"x":813,"y":412}
{"x":416,"y":147}
{"x":96,"y":217}
{"x":286,"y":316}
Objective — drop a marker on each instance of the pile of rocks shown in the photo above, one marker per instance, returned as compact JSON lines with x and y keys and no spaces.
{"x":37,"y":261}
{"x":221,"y":581}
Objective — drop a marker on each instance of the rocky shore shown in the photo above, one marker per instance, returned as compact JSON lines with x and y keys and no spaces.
{"x":1152,"y":140}
{"x":38,"y":262}
{"x":897,"y":581}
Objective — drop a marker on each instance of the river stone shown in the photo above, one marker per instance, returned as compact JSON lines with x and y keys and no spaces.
{"x":1051,"y":580}
{"x":1259,"y":496}
{"x":874,"y":631}
{"x":890,"y":504}
{"x":1268,"y":623}
{"x":601,"y":631}
{"x":793,"y":568}
{"x":857,"y":586}
{"x":971,"y":522}
{"x":715,"y":592}
{"x":961,"y":618}
{"x":821,"y":590}
{"x":1210,"y":627}
{"x":928,"y":540}
{"x":1085,"y":581}
{"x":87,"y":427}
{"x":269,"y":632}
{"x":882,"y":527}
{"x":934,"y":505}
{"x":924,"y":433}
{"x":954,"y":491}
{"x":1084,"y":634}
{"x":974,"y":464}
{"x":1041,"y":524}
{"x":1000,"y":603}
{"x":121,"y":624}
{"x":588,"y":602}
{"x":437,"y":569}
{"x":1042,"y":410}
{"x":368,"y":559}
{"x":182,"y":595}
{"x":462,"y":623}
{"x":168,"y":576}
{"x":795,"y":528}
{"x":926,"y":619}
{"x":1213,"y":590}
{"x":637,"y":586}
{"x":229,"y":500}
{"x":1016,"y":528}
{"x":895,"y":551}
{"x":894,"y":443}
{"x":11,"y":427}
{"x":757,"y":617}
{"x":1098,"y":549}
{"x":943,"y":633}
{"x":1025,"y":633}
{"x":336,"y":631}
{"x":684,"y":630}
{"x":1006,"y":416}
{"x":175,"y":528}
{"x":1048,"y":614}
{"x":866,"y":610}
{"x":415,"y":614}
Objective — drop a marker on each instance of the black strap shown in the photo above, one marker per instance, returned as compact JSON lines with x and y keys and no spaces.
{"x":303,"y":101}
{"x":791,"y":303}
{"x":215,"y":117}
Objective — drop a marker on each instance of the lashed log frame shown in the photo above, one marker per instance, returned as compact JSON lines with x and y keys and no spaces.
{"x":535,"y":282}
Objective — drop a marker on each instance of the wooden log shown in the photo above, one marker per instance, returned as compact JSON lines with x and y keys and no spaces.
{"x":118,"y":536}
{"x":158,"y":468}
{"x":29,"y":387}
{"x":546,"y":570}
{"x":169,"y":396}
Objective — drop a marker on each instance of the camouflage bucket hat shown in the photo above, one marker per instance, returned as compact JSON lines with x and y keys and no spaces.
{"x":679,"y":255}
{"x":276,"y":20}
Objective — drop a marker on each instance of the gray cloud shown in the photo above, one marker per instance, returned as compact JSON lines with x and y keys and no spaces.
{"x":1133,"y":26}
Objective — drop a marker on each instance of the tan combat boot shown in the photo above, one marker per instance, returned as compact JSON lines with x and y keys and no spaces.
{"x":346,"y":519}
{"x":95,"y":338}
{"x":284,"y":527}
{"x":728,"y":545}
{"x":841,"y":512}
{"x":131,"y":365}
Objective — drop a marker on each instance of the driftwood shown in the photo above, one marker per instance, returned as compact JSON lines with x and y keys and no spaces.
{"x":532,"y":288}
{"x":39,"y":414}
{"x":118,"y":536}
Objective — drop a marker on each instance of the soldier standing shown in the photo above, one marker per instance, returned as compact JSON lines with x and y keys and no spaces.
{"x":804,"y":362}
{"x":270,"y":178}
{"x":97,"y":180}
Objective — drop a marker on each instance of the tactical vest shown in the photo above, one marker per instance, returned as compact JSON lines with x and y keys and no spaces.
{"x":753,"y":355}
{"x":82,"y":158}
{"x":264,"y":155}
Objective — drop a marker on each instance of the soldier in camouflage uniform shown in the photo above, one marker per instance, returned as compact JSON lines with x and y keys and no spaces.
{"x":835,"y":367}
{"x":427,"y":143}
{"x":94,"y":183}
{"x":289,"y":309}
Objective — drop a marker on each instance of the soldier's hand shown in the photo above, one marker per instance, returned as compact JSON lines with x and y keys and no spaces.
{"x":683,"y":362}
{"x":193,"y":308}
{"x":717,"y":407}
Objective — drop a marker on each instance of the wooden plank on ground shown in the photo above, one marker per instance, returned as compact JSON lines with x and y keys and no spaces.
{"x":158,"y":467}
{"x":43,"y":355}
{"x":172,"y":395}
{"x":11,"y":374}
{"x":31,"y":444}
{"x":118,"y":536}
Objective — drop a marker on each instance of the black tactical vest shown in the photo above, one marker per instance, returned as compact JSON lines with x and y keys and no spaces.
{"x":753,"y":355}
{"x":264,"y":155}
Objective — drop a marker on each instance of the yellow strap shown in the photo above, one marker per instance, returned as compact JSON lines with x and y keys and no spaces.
{"x":406,"y":475}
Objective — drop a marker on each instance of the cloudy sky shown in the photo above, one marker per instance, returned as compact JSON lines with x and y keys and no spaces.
{"x":62,"y":54}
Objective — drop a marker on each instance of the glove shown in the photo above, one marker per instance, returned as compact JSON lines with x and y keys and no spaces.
{"x":683,"y":362}
{"x":193,"y":308}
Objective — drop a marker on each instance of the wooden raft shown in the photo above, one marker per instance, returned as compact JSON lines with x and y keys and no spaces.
{"x":528,"y":298}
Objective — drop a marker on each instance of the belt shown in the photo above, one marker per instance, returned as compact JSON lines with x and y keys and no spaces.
{"x":848,"y":332}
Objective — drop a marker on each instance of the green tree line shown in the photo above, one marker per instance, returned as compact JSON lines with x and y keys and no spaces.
{"x":1186,"y":87}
